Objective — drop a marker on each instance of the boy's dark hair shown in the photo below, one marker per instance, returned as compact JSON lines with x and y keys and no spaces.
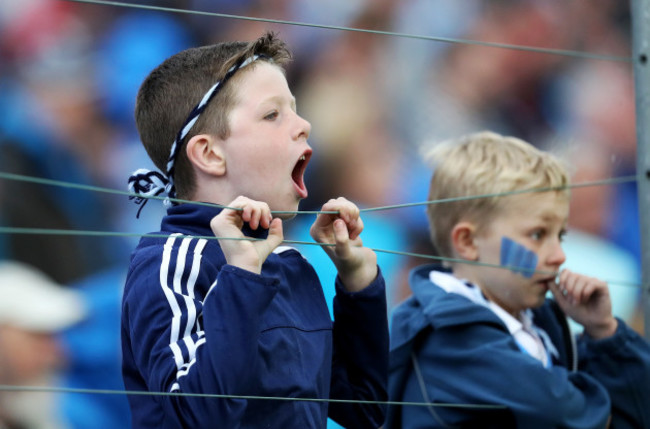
{"x":168,"y":94}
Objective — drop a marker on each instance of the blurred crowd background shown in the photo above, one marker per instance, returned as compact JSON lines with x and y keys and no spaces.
{"x":69,"y":73}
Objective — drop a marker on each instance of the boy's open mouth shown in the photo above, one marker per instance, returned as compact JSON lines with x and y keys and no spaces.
{"x":298,"y":174}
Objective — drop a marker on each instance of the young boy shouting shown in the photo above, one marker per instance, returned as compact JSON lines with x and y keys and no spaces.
{"x":236,"y":316}
{"x":480,"y":331}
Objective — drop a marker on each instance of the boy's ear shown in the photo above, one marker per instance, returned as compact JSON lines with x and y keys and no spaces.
{"x":463,"y":240}
{"x":206,"y":154}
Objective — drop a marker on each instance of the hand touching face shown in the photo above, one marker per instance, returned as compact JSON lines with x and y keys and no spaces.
{"x":535,"y":223}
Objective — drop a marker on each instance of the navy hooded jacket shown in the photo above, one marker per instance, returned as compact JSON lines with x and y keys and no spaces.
{"x":465,"y":355}
{"x":191,"y":324}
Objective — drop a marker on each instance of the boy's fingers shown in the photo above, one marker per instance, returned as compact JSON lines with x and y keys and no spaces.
{"x":567,"y":281}
{"x":561,"y":295}
{"x":243,"y":209}
{"x":578,"y":289}
{"x":265,"y":217}
{"x":355,"y":228}
{"x":350,"y":213}
{"x":567,"y":286}
{"x":594,"y":287}
{"x":555,"y":290}
{"x":246,"y":213}
{"x":347,"y":210}
{"x":331,"y":206}
{"x":254,"y":219}
{"x":588,"y":291}
{"x":562,"y":277}
{"x":258,"y":213}
{"x":351,"y":226}
{"x":346,"y":225}
{"x":341,"y":238}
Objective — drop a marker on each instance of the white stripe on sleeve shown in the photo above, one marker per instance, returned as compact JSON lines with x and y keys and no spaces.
{"x":171,"y":299}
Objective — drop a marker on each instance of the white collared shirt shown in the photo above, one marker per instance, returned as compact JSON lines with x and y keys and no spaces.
{"x":531,"y":339}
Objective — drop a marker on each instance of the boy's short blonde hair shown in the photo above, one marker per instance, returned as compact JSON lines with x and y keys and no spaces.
{"x":482,"y":164}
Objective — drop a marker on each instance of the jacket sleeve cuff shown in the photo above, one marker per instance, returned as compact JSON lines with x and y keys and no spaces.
{"x":376,"y":289}
{"x":612,"y":344}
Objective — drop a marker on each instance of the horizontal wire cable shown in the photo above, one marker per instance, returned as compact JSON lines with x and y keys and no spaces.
{"x":46,"y":389}
{"x":51,"y":182}
{"x":609,"y":181}
{"x":64,"y":184}
{"x":560,"y":52}
{"x":75,"y":232}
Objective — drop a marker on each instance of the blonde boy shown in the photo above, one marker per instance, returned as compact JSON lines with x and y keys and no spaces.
{"x":481,"y":331}
{"x":244,"y":320}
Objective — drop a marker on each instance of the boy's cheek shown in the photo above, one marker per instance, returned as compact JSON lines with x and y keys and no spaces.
{"x":517,"y":257}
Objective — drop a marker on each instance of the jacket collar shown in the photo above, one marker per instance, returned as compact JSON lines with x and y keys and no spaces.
{"x":432,"y":307}
{"x":195,"y":219}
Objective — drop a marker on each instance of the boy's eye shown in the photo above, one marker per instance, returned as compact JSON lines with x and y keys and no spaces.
{"x":537,"y":234}
{"x":562,"y":235}
{"x":271,"y":116}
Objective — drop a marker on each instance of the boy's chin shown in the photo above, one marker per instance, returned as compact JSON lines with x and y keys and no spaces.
{"x":284,"y":209}
{"x":538,"y":302}
{"x":286,"y":216}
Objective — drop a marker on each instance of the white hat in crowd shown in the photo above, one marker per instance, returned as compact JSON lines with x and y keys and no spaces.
{"x":31,"y":301}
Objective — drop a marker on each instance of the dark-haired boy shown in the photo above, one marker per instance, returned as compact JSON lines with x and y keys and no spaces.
{"x":240,"y":317}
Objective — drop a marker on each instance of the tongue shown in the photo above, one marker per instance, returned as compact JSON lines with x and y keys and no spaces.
{"x":301,"y":190}
{"x":298,"y":182}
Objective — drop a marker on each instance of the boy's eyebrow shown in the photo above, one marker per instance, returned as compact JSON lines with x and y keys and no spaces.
{"x":549,"y":216}
{"x":280,"y":99}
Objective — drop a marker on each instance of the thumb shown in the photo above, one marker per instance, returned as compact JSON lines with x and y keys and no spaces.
{"x":273,"y":240}
{"x":276,"y":233}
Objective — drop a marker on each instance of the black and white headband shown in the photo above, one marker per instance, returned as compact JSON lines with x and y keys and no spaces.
{"x":145,"y":183}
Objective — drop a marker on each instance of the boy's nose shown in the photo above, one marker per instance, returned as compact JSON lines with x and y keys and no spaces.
{"x":303,"y":127}
{"x":557,"y":256}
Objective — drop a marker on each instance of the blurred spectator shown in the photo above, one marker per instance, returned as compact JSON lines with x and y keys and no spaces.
{"x":471,"y":87}
{"x":33,"y":311}
{"x":131,"y":46}
{"x":64,"y":257}
{"x":602,"y":122}
{"x":95,"y":361}
{"x":53,"y":129}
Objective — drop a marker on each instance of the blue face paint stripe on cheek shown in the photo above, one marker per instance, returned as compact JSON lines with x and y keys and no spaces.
{"x":530,"y":261}
{"x":507,"y":252}
{"x":517,"y":257}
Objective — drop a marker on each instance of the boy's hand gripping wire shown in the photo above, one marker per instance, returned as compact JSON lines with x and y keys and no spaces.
{"x":356,"y":265}
{"x":238,"y":251}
